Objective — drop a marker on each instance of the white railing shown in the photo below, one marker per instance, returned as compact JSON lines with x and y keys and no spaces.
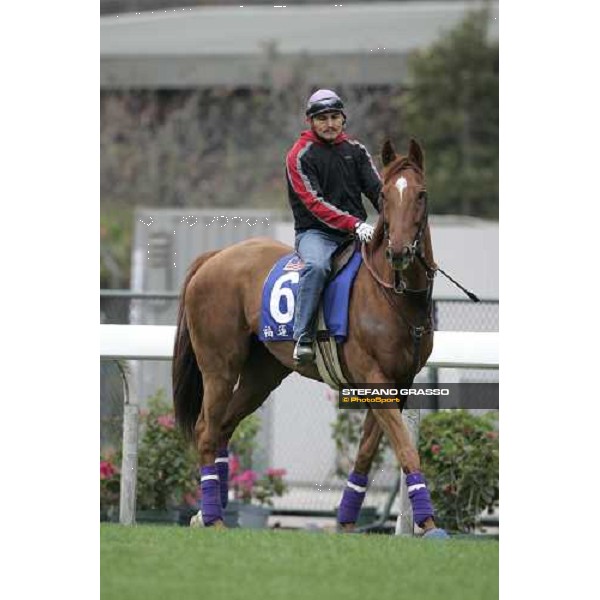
{"x":452,"y":349}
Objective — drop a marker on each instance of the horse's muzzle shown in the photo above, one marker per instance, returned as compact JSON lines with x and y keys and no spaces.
{"x":400,"y":260}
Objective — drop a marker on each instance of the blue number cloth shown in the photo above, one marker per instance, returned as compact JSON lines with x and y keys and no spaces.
{"x":279,"y":294}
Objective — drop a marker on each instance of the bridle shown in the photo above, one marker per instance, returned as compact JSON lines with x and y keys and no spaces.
{"x":398,"y":287}
{"x":410,"y":252}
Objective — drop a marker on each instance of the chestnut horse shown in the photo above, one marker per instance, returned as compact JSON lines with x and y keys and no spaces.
{"x":222,"y":373}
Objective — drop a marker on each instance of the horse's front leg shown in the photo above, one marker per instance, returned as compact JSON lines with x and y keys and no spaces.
{"x":356,"y":487}
{"x":392,"y":423}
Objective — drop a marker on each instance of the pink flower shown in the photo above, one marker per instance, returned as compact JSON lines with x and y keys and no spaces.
{"x":245,"y":480}
{"x":435,"y":449}
{"x":234,"y":465}
{"x":276,"y":473}
{"x":248,"y":476}
{"x":107,"y":469}
{"x":166,"y":421}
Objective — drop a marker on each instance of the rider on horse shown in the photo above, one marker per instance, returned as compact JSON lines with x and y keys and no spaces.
{"x":326,"y":173}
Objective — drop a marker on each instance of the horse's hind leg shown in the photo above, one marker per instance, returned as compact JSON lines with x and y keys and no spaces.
{"x":220,"y":353}
{"x":260,"y":375}
{"x":356,"y":487}
{"x":217,"y":394}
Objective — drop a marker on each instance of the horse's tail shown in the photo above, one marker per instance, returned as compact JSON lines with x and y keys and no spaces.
{"x":187,"y":378}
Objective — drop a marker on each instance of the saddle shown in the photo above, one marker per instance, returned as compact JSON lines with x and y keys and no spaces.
{"x":342,"y":255}
{"x":277,"y":307}
{"x":326,"y":348}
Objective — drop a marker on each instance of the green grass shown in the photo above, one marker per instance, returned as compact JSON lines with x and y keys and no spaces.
{"x":179,"y":563}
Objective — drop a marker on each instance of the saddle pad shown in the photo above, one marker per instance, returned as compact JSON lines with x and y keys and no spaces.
{"x":279,"y":299}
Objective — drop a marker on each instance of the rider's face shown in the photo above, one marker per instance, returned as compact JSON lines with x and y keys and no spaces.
{"x":328,"y":125}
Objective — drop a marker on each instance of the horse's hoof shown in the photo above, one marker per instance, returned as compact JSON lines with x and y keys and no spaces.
{"x":437,"y":533}
{"x":196,"y":520}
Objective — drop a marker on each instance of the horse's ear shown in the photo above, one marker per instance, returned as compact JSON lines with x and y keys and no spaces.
{"x":415,"y":154}
{"x":388,"y":154}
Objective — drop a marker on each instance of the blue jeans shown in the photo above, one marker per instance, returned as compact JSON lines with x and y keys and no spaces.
{"x":315,"y":247}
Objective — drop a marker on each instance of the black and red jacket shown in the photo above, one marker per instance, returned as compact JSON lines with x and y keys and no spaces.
{"x":325,"y":182}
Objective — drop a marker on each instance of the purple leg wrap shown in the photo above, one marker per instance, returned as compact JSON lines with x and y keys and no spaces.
{"x":211,"y":503}
{"x":352,"y":498}
{"x":419,"y":498}
{"x":222,"y":463}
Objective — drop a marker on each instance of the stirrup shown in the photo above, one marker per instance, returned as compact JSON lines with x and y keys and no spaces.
{"x":303,"y":352}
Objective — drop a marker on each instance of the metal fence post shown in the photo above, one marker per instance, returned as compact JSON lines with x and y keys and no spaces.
{"x":433,"y":371}
{"x":129,"y":460}
{"x":404,"y":522}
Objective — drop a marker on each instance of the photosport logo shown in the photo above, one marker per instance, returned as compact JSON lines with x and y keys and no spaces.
{"x":420,"y":395}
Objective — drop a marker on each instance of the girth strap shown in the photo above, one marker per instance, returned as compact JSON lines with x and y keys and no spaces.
{"x":327,"y":358}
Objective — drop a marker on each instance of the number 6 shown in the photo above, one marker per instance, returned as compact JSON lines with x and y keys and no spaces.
{"x":278,"y":292}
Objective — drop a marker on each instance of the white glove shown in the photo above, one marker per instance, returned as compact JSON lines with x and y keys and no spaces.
{"x":364,"y":232}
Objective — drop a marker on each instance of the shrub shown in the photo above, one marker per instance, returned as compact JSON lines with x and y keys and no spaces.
{"x":459,"y":458}
{"x":167,"y":464}
{"x":110,"y":484}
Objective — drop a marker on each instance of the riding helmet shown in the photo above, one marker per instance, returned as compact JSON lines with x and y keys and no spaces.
{"x":324,"y":101}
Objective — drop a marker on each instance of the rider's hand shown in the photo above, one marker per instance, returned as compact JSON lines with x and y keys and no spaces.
{"x":364,"y":231}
